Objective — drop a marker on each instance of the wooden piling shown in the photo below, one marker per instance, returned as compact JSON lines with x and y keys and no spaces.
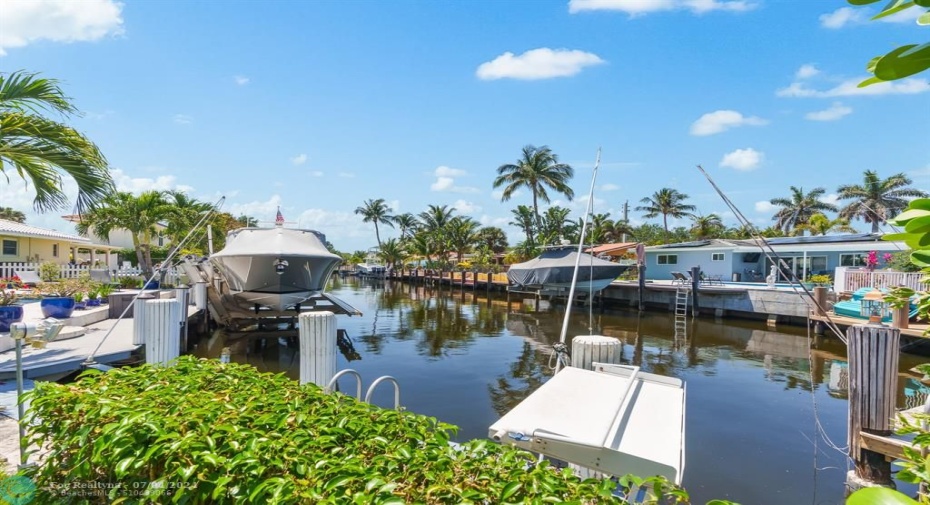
{"x":642,"y":288}
{"x":695,"y":283}
{"x":873,"y":381}
{"x":820,"y":300}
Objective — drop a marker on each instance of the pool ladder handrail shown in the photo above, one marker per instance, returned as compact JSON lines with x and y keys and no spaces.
{"x":371,"y":389}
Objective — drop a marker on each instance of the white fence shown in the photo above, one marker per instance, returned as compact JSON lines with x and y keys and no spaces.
{"x":851,"y":279}
{"x":68,"y":271}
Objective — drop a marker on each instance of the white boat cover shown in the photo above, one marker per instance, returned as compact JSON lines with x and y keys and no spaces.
{"x":616,"y":420}
{"x":554,"y":267}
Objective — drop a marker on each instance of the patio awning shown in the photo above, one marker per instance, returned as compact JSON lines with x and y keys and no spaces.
{"x":616,"y":249}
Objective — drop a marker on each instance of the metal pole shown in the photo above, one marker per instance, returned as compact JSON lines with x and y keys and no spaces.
{"x":210,"y":239}
{"x":21,"y":409}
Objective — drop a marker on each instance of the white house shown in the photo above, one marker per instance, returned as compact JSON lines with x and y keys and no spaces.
{"x":21,"y":243}
{"x":121,"y":238}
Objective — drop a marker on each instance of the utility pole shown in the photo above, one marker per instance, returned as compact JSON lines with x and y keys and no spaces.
{"x":626,"y":218}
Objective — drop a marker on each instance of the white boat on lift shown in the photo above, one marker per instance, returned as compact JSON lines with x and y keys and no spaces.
{"x":371,"y":267}
{"x":277,"y":268}
{"x":613,"y":419}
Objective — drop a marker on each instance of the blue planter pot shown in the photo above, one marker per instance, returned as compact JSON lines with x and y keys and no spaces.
{"x":93,"y":302}
{"x":151,"y":285}
{"x":80,"y":305}
{"x":59,"y":308}
{"x":9,"y":314}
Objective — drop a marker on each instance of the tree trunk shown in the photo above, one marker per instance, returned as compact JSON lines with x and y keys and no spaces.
{"x":665,"y":225}
{"x":535,"y":208}
{"x":147,"y":251}
{"x":377,"y":235}
{"x":140,"y":256}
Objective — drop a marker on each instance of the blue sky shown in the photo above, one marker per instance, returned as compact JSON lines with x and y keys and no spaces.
{"x":317,"y":106}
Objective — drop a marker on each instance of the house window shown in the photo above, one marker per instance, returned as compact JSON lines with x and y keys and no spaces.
{"x":717,"y":256}
{"x":161,"y":241}
{"x":852,"y":260}
{"x":10,"y":247}
{"x":667,"y":259}
{"x":54,"y":250}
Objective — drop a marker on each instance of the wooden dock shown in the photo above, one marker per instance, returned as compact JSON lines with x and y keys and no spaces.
{"x":914,"y":330}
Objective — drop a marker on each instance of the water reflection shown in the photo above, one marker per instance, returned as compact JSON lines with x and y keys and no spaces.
{"x":468,"y":358}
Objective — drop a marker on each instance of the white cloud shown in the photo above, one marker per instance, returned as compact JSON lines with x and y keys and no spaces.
{"x":466,"y":207}
{"x":300,"y":159}
{"x":445,"y":181}
{"x":609,"y":187}
{"x":316,"y":173}
{"x":23,"y":22}
{"x":499,"y":193}
{"x":836,"y":111}
{"x":832,"y":198}
{"x":394,"y":205}
{"x":842,"y":17}
{"x":136,"y":185}
{"x":765,"y":207}
{"x":542,"y":63}
{"x":241,"y":80}
{"x":639,"y":7}
{"x":806,"y":72}
{"x":183,"y":119}
{"x":742,"y":159}
{"x":722,"y":120}
{"x":849,"y":87}
{"x":346,"y":175}
{"x":339,"y":228}
{"x":264,"y":212}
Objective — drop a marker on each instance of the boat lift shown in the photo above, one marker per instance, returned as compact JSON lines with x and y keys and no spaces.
{"x":615,"y":419}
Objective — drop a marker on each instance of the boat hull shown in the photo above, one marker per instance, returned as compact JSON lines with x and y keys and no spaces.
{"x":276,"y":268}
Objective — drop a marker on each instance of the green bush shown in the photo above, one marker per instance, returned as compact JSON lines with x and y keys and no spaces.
{"x":205,"y":432}
{"x":49,"y":271}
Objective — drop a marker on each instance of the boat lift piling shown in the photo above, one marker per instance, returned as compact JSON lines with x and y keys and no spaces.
{"x":317,"y":347}
{"x":162,"y":331}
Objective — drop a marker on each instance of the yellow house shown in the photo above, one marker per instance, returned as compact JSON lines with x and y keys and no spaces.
{"x":21,"y":243}
{"x":120,"y":237}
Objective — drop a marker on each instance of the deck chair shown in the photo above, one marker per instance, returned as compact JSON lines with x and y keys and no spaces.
{"x":28,"y":277}
{"x":679,"y":278}
{"x":105,"y":277}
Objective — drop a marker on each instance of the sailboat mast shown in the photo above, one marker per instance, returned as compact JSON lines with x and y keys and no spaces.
{"x":584,"y":227}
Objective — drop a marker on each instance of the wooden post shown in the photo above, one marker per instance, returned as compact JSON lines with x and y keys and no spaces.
{"x":820,"y":300}
{"x":642,"y":287}
{"x":900,"y":316}
{"x":873,"y":382}
{"x":695,"y":283}
{"x":490,"y":276}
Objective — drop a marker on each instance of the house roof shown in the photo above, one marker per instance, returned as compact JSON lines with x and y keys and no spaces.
{"x":611,"y":249}
{"x":15,"y":229}
{"x":846,"y":242}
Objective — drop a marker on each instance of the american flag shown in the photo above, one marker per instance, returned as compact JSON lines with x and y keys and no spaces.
{"x":279,"y":219}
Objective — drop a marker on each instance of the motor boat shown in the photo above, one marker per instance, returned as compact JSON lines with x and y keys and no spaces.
{"x":277,"y":268}
{"x":553,"y":270}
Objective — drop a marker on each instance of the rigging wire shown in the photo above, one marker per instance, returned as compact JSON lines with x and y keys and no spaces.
{"x":216,"y":206}
{"x":584,"y":226}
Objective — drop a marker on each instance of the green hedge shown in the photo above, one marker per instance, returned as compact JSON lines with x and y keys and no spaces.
{"x":205,"y":432}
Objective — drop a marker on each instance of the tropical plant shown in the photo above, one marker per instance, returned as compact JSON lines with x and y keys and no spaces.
{"x":49,"y":271}
{"x":797,"y":209}
{"x":421,"y":246}
{"x":819,"y":224}
{"x":247,"y":221}
{"x":184,"y":214}
{"x":406,"y":223}
{"x":434,"y":224}
{"x":537,"y":169}
{"x":494,"y":238}
{"x":64,"y":288}
{"x":171,"y":437}
{"x":709,"y":226}
{"x":916,"y":223}
{"x":8,"y":297}
{"x":462,"y":233}
{"x":139,"y":215}
{"x":11,"y":214}
{"x":392,"y":252}
{"x":876,"y":199}
{"x":667,"y":202}
{"x":524,"y":219}
{"x":375,"y":211}
{"x":903,"y":61}
{"x":554,"y":225}
{"x":40,"y":150}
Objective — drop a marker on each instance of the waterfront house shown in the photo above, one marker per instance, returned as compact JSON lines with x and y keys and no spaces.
{"x":23,"y":246}
{"x":744,"y":260}
{"x":121,"y":238}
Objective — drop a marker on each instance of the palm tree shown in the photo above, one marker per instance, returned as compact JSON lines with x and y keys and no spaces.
{"x":552,"y":225}
{"x":391,"y":252}
{"x":876,"y":200}
{"x":375,"y":211}
{"x":708,"y":226}
{"x":494,"y":238}
{"x":524,"y":219}
{"x":421,"y":245}
{"x":11,"y":214}
{"x":185,"y":213}
{"x":463,"y":235}
{"x":40,"y":149}
{"x":668,"y":202}
{"x":820,"y":224}
{"x":436,"y":217}
{"x":139,"y":215}
{"x":536,"y":170}
{"x":247,"y":221}
{"x":407,"y":223}
{"x":799,"y":208}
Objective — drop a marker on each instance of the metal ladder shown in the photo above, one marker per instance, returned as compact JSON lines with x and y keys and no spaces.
{"x":333,"y":386}
{"x":682,"y":294}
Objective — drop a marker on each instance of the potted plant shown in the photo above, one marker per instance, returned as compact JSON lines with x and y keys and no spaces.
{"x":820,"y":280}
{"x":58,"y":298}
{"x":10,"y":310}
{"x":92,"y":293}
{"x":79,"y":303}
{"x":105,"y":290}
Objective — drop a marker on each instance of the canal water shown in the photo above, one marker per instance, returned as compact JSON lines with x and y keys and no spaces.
{"x":766,"y":411}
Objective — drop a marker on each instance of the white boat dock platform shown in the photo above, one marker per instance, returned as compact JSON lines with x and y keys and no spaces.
{"x":616,"y":420}
{"x":74,"y":344}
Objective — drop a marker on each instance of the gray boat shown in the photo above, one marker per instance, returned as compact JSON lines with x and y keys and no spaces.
{"x":277,"y":268}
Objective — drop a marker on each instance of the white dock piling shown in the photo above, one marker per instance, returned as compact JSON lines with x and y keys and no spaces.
{"x":317,"y":347}
{"x":200,"y":295}
{"x":138,"y":318}
{"x":588,"y":349}
{"x":162,"y":331}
